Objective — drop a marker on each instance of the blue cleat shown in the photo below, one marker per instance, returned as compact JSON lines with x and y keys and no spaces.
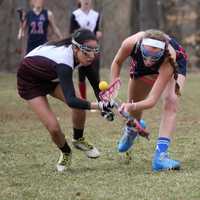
{"x":126,"y":141}
{"x":161,"y":162}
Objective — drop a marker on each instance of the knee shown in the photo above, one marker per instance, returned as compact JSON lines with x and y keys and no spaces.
{"x":171,"y":103}
{"x":54,"y":129}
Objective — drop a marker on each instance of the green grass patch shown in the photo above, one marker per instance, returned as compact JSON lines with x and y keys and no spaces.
{"x":28,"y":157}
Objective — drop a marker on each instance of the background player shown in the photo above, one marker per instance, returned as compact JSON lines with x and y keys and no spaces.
{"x":36,"y":24}
{"x":86,"y":17}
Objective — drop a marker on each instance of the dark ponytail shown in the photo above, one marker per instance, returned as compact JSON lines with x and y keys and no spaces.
{"x":81,"y":35}
{"x":62,"y":42}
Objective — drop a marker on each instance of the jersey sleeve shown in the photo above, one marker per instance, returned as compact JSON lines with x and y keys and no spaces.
{"x":93,"y":78}
{"x":73,"y":24}
{"x":65,"y":74}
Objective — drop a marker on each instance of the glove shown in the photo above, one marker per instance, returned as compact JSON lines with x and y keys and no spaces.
{"x":106,"y":106}
{"x":108,"y":115}
{"x":106,"y":111}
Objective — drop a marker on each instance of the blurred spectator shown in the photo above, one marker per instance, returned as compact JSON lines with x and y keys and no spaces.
{"x":34,"y":24}
{"x":86,"y":17}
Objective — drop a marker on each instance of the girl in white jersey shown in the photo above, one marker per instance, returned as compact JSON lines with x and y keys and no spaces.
{"x":48,"y":69}
{"x":86,"y":17}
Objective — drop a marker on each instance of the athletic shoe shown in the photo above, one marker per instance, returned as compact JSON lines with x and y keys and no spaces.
{"x":126,"y":141}
{"x":64,"y":161}
{"x":89,"y":149}
{"x":161,"y":162}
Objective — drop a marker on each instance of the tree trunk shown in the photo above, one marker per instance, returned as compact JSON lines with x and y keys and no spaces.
{"x":148,"y":14}
{"x":134,"y":16}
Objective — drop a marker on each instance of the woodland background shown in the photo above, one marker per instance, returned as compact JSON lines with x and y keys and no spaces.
{"x":120,"y":18}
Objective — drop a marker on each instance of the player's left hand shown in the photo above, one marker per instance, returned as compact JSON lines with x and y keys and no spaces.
{"x":125,"y":107}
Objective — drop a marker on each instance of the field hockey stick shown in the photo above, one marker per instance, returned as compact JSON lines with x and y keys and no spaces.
{"x":110,"y":94}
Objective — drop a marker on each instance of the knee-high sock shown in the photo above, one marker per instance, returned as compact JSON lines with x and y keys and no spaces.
{"x":162,"y":144}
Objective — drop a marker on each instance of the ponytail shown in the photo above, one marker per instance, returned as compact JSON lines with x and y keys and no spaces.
{"x":65,"y":42}
{"x":175,"y":67}
{"x":81,"y":36}
{"x":159,"y":35}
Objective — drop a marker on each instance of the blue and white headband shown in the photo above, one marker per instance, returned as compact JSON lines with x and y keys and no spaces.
{"x":153,"y":43}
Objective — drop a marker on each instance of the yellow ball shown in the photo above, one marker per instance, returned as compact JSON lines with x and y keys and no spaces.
{"x":103,"y":85}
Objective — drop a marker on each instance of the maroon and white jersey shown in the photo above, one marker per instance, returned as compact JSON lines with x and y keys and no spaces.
{"x":47,"y":66}
{"x":59,"y":55}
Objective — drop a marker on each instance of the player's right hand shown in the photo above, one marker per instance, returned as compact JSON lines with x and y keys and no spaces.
{"x":126,"y":107}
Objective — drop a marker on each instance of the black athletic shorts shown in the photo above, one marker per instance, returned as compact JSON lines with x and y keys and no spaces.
{"x":34,"y":77}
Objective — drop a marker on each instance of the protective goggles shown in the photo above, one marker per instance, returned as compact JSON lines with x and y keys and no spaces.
{"x":87,"y":50}
{"x":149,"y":55}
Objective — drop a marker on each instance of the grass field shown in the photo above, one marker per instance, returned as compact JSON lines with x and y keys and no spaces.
{"x":28,"y":157}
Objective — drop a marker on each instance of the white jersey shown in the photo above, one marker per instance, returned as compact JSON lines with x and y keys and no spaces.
{"x":86,"y":20}
{"x":60,"y":54}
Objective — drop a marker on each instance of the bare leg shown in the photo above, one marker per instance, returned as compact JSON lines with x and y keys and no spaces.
{"x":170,"y":106}
{"x":167,"y":126}
{"x":78,"y":120}
{"x":42,"y":109}
{"x":137,"y":91}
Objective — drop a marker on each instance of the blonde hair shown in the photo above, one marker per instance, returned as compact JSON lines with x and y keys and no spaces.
{"x":159,"y":35}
